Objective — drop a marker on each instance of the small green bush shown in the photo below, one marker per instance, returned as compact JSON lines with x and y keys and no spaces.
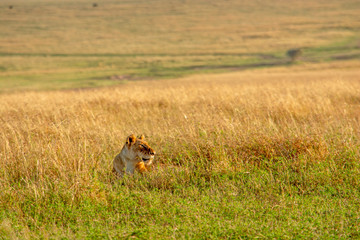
{"x":294,"y":54}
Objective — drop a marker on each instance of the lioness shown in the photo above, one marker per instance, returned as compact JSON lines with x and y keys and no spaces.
{"x":135,"y":154}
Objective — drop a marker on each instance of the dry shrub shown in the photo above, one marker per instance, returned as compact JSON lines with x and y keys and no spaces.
{"x":278,"y":148}
{"x":294,"y":54}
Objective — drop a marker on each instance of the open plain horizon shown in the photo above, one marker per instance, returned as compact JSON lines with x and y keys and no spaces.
{"x":250,"y":142}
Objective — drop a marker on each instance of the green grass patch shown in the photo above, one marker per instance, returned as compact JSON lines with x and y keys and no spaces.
{"x":287,"y":204}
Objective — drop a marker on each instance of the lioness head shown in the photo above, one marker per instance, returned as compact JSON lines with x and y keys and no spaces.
{"x":140,"y":149}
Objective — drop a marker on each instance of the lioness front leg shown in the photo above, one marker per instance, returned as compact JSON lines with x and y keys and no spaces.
{"x":130,"y":168}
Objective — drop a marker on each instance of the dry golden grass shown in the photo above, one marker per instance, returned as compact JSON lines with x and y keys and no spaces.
{"x":174,"y":27}
{"x":228,"y":119}
{"x":269,"y":153}
{"x":213,"y":133}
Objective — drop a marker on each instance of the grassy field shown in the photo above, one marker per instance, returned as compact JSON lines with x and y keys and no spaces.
{"x":262,"y":153}
{"x":70,"y":44}
{"x":248,"y":144}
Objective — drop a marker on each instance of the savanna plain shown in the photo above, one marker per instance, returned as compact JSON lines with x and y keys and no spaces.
{"x":249,"y":144}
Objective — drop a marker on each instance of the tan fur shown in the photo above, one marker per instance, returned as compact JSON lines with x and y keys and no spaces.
{"x":135,"y":154}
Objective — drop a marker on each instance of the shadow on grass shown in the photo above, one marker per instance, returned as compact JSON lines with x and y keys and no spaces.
{"x":238,"y":67}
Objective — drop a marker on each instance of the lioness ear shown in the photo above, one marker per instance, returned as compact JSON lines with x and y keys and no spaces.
{"x":142,"y":137}
{"x":130,"y":139}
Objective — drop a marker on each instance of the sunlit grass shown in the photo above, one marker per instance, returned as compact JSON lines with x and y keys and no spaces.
{"x":267,"y":153}
{"x":268,"y":150}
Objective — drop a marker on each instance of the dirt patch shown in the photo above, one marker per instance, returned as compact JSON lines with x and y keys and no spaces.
{"x":121,"y":78}
{"x":347,"y":56}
